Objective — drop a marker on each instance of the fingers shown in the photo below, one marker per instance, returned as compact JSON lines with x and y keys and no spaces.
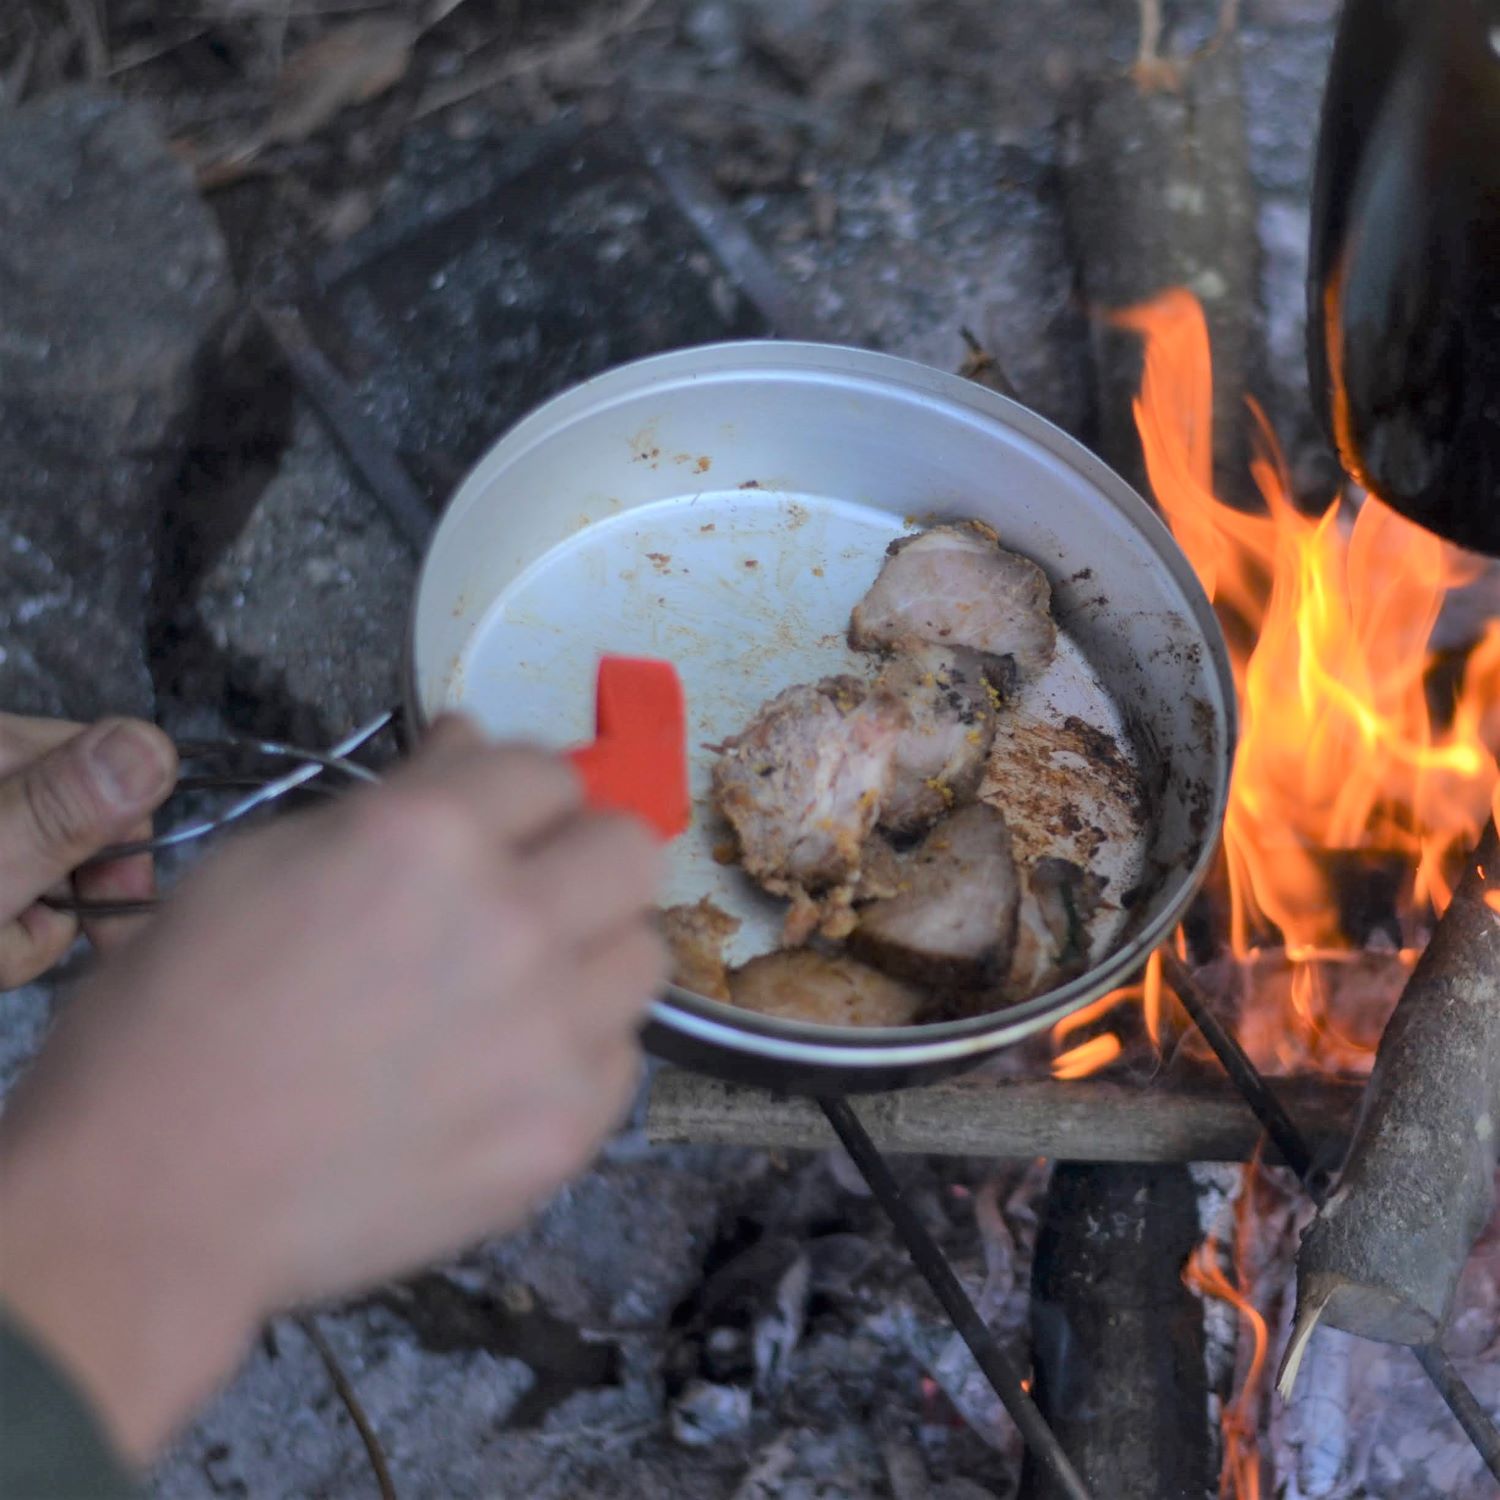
{"x":617,"y":979}
{"x":33,"y":943}
{"x":24,"y":739}
{"x":132,"y":879}
{"x":513,"y":793}
{"x":85,"y":793}
{"x":593,"y":874}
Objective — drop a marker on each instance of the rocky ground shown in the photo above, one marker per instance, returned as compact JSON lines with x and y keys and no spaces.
{"x":183,"y":536}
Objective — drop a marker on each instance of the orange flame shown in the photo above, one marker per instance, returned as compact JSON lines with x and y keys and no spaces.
{"x":1339,"y":749}
{"x":1099,"y":1051}
{"x":1088,"y":1057}
{"x":1240,"y":1473}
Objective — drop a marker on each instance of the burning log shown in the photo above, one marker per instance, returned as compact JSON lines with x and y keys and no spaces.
{"x":1198,"y":1119}
{"x":1117,"y":1338}
{"x":1383,"y":1256}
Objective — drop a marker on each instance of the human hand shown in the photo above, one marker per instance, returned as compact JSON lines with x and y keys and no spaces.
{"x":355,"y":1041}
{"x":66,"y":792}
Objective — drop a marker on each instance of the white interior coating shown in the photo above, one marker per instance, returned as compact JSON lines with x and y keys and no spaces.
{"x":746,"y":592}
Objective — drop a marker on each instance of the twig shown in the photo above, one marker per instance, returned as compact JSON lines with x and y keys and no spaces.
{"x":574,"y":48}
{"x":938,"y":1274}
{"x":1462,"y":1402}
{"x":84,"y":15}
{"x":438,"y":12}
{"x":345,"y":1391}
{"x":149,"y":52}
{"x":363,"y":444}
{"x":1279,"y":1125}
{"x":1245,"y":1076}
{"x":1148,"y":54}
{"x":272,"y":9}
{"x":13,"y":85}
{"x":983,"y":368}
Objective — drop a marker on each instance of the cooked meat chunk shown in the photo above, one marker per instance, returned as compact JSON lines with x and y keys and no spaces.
{"x":696,"y":936}
{"x":879,"y":870}
{"x":956,"y":586}
{"x":802,"y":788}
{"x":1058,"y":900}
{"x":798,"y":984}
{"x":940,"y":760}
{"x":952,"y":924}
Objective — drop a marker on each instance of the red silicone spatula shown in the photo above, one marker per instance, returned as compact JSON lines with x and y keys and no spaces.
{"x":638,"y":761}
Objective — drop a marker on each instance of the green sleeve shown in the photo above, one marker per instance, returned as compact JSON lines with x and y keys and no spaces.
{"x":51,"y":1447}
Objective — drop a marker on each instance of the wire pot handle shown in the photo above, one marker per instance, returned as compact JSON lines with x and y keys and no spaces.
{"x":310,"y":765}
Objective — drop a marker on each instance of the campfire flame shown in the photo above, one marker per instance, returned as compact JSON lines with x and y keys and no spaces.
{"x":1240,"y":1473}
{"x":1329,"y":619}
{"x":1339,"y":750}
{"x":1347,"y":753}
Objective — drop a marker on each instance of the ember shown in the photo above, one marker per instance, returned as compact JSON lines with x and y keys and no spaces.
{"x":1240,"y":1473}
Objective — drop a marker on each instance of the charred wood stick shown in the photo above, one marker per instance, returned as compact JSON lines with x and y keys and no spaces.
{"x":1042,"y":1445}
{"x":1116,"y":1337}
{"x":1383,"y":1257}
{"x":1087,"y":1120}
{"x":1295,"y":1149}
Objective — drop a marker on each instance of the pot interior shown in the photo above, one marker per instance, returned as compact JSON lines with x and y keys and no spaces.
{"x":725,"y":507}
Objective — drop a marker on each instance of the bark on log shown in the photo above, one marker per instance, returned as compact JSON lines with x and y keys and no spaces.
{"x":1089,"y":1120}
{"x":1159,"y":194}
{"x":1383,"y":1256}
{"x":1117,"y":1339}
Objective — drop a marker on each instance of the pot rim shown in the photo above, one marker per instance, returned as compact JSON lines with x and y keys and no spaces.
{"x":718,"y":1025}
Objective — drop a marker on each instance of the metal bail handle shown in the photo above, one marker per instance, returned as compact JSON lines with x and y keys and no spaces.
{"x":637,"y":764}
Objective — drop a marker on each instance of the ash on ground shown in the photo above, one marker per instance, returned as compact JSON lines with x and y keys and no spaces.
{"x":682,"y":1322}
{"x":685,"y":1321}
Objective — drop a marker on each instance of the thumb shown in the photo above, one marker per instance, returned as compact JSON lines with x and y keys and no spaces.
{"x":64,"y":807}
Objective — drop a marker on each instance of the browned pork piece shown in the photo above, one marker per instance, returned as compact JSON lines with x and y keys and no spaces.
{"x":952,"y":924}
{"x":956,"y":586}
{"x":879,"y":870}
{"x":1058,"y":900}
{"x":940,"y":759}
{"x":802,"y":788}
{"x":798,"y":984}
{"x":696,"y":936}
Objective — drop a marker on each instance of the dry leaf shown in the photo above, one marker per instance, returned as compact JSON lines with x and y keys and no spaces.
{"x":348,"y":65}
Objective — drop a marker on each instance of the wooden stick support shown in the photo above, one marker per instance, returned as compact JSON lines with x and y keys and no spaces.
{"x":1116,"y":1338}
{"x":1088,"y":1120}
{"x":1383,"y":1257}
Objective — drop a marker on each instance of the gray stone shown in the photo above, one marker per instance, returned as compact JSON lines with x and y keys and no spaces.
{"x":941,"y":233}
{"x":1291,"y":12}
{"x":1284,"y":73}
{"x":717,"y":29}
{"x":1283,"y":387}
{"x":25,"y":1015}
{"x":308,"y":607}
{"x":113,"y":284}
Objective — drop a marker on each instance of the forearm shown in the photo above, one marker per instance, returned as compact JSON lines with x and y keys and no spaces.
{"x":117,"y":1302}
